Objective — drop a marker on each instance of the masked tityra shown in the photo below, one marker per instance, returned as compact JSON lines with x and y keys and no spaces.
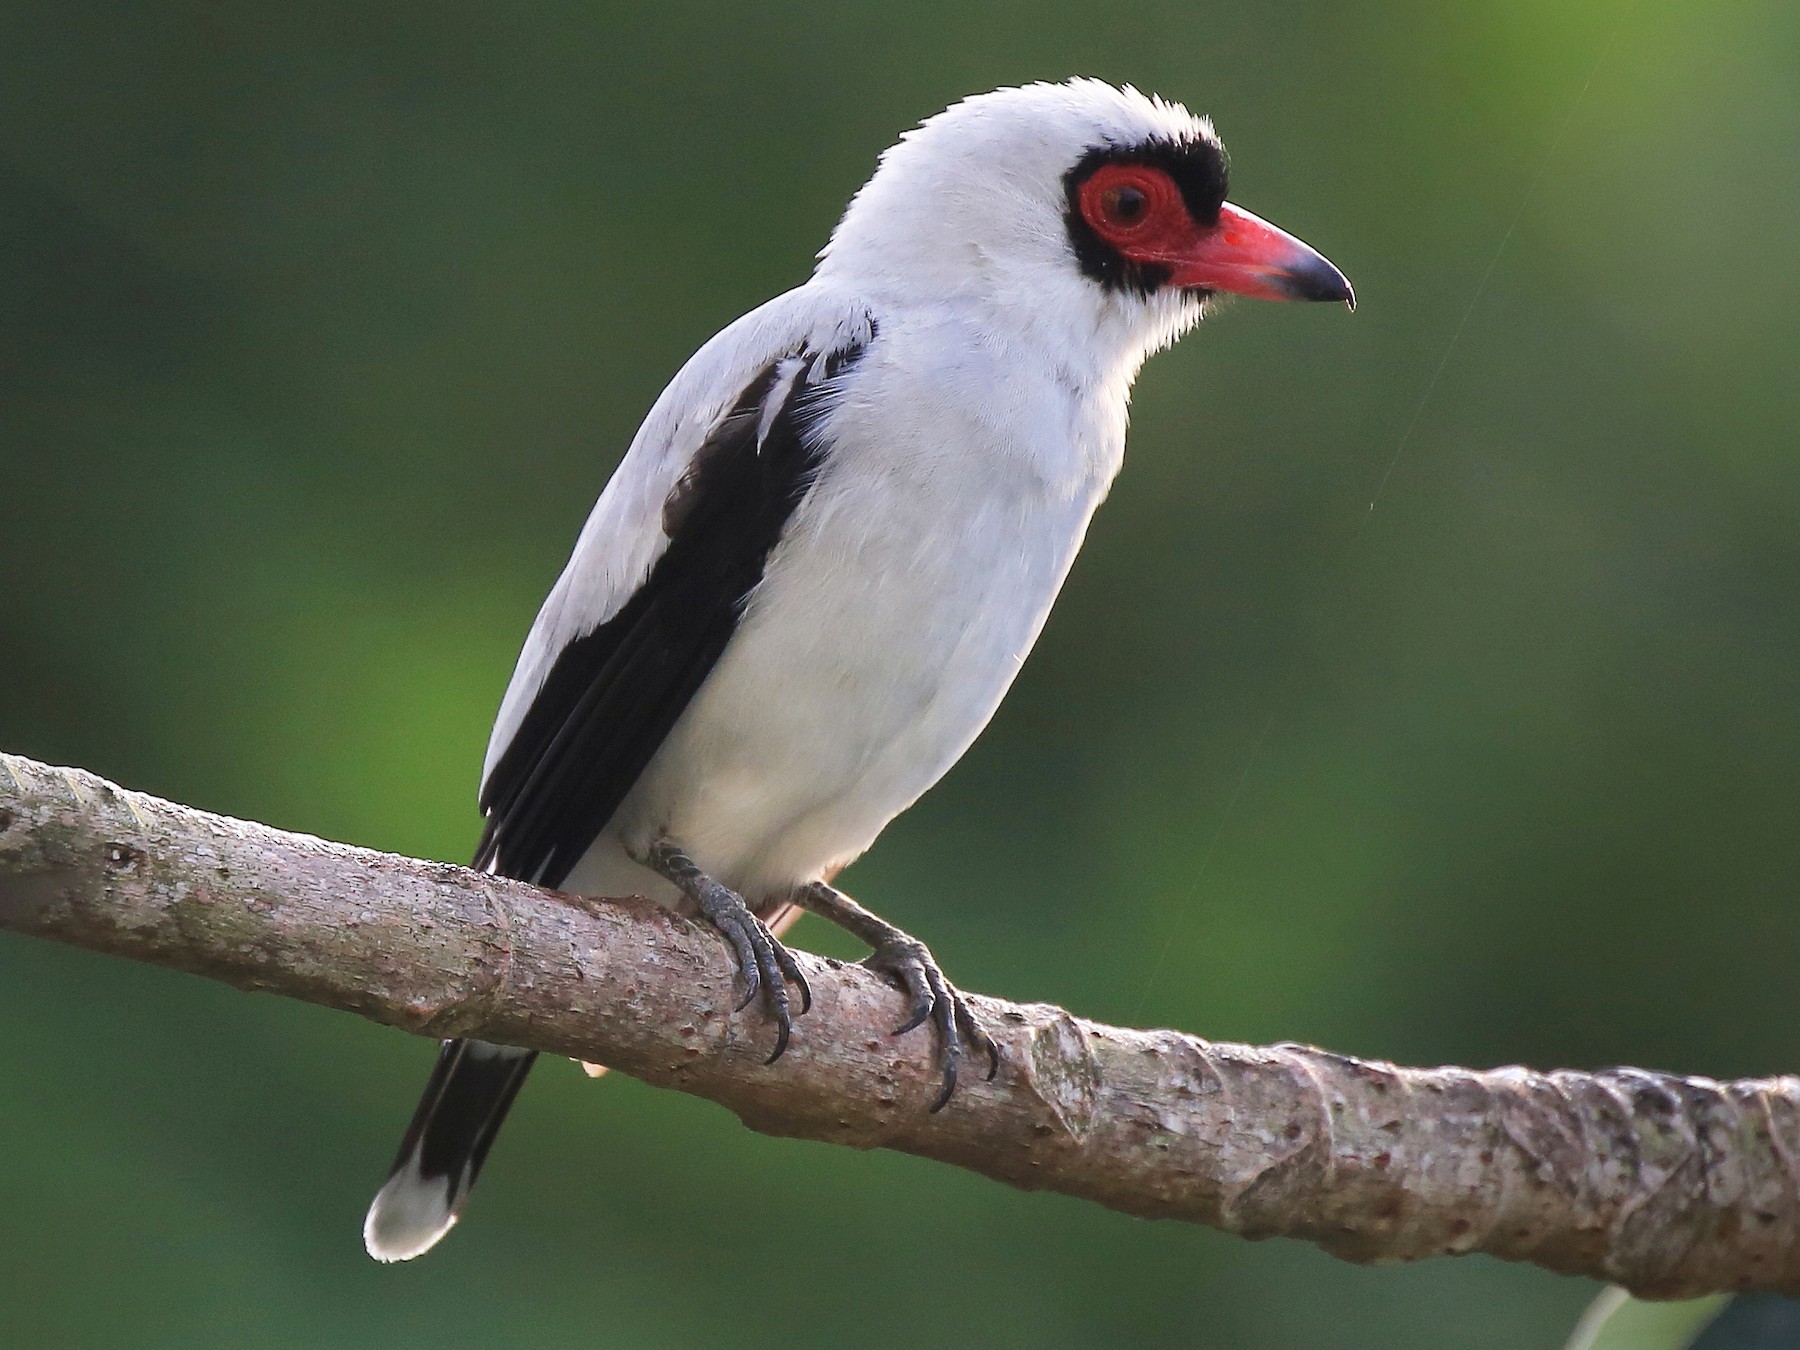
{"x":829,"y":548}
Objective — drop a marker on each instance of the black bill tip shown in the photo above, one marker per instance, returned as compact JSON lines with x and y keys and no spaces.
{"x":1317,"y":279}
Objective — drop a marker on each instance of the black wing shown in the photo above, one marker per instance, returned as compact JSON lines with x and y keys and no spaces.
{"x":612,"y":696}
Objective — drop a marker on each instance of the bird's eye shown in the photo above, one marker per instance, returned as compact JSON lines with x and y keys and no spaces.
{"x":1124,"y":204}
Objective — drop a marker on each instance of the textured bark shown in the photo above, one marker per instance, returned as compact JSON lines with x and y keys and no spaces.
{"x":1668,"y":1186}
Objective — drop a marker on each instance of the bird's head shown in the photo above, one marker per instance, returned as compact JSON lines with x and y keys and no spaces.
{"x":1075,"y":214}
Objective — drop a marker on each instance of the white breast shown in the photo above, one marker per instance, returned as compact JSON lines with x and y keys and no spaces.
{"x":892,"y":617}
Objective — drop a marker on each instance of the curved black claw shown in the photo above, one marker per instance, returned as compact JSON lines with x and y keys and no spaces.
{"x":908,"y":963}
{"x":765,"y":964}
{"x":795,"y":976}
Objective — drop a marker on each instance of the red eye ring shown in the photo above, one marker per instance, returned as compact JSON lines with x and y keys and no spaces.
{"x":1120,"y":200}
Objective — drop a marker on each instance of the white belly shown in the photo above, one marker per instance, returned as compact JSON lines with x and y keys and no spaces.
{"x":891,"y":619}
{"x":889,"y":624}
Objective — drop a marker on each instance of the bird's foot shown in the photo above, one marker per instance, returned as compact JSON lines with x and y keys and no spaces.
{"x":765,"y":965}
{"x":908,"y":963}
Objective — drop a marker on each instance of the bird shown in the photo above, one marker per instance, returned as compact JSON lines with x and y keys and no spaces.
{"x":827,"y":551}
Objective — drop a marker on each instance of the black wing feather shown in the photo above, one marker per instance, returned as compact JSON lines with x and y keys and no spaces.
{"x":609,"y":700}
{"x":612,"y":695}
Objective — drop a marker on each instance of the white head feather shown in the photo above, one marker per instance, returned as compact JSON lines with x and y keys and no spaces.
{"x":970,"y":206}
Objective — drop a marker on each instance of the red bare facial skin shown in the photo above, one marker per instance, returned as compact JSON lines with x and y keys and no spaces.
{"x":1137,"y":209}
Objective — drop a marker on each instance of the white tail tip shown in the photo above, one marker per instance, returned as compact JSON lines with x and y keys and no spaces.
{"x":408,"y":1216}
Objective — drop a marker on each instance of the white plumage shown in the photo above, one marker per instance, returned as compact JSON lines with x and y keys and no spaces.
{"x":952,"y":385}
{"x":970,"y":449}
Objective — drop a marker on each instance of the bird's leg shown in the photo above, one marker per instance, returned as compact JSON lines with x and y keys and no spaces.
{"x":909,"y":963}
{"x":764,"y":963}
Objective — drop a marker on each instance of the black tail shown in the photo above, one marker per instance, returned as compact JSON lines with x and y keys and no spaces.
{"x":470,"y":1090}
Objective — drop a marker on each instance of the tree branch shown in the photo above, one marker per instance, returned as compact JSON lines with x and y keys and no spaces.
{"x":1669,"y":1186}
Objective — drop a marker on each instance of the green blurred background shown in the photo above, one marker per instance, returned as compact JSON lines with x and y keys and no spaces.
{"x":320,"y":328}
